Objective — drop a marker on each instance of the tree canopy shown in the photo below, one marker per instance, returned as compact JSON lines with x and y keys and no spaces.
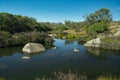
{"x":17,"y":23}
{"x":100,"y":15}
{"x":99,"y":20}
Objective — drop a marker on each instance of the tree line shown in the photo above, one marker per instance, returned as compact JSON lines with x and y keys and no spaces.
{"x":97,"y":22}
{"x":10,"y":25}
{"x":17,"y":30}
{"x":17,"y":23}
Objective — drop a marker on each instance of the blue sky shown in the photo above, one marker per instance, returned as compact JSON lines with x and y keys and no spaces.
{"x":59,"y":10}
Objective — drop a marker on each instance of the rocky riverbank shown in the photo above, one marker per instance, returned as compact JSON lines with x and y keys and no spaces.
{"x":109,"y":40}
{"x":105,"y":43}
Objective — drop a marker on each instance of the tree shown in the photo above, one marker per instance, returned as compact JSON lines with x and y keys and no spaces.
{"x":7,"y":22}
{"x":99,"y":20}
{"x":99,"y":15}
{"x":17,"y":23}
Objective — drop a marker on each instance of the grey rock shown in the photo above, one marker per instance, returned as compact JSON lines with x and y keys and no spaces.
{"x":93,"y":43}
{"x":33,"y":47}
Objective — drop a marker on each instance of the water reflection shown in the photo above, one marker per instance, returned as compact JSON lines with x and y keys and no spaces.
{"x":93,"y":62}
{"x":96,"y":52}
{"x":3,"y":66}
{"x":67,"y":41}
{"x":101,"y":53}
{"x":9,"y":51}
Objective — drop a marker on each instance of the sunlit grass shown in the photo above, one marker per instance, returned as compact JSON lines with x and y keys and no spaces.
{"x":2,"y":79}
{"x":108,"y":78}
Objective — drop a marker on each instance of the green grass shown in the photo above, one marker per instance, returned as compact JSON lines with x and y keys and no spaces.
{"x":2,"y":79}
{"x":109,"y":40}
{"x":111,"y":43}
{"x":108,"y":78}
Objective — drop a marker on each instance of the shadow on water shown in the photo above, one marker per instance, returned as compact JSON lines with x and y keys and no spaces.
{"x":67,"y":41}
{"x":16,"y":50}
{"x":10,"y":51}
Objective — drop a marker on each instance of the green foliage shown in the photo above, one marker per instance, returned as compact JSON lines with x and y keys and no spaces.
{"x":17,"y":30}
{"x":20,"y":39}
{"x":17,"y":23}
{"x":118,"y":22}
{"x":98,"y":22}
{"x":44,"y":26}
{"x":74,"y":25}
{"x":61,"y":26}
{"x":110,"y":77}
{"x":2,"y":79}
{"x":91,"y":31}
{"x":4,"y":37}
{"x":102,"y":14}
{"x":111,"y":43}
{"x":85,"y":38}
{"x":99,"y":27}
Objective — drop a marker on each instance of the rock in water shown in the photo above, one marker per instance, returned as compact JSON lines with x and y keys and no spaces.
{"x":33,"y":47}
{"x":55,"y":47}
{"x":25,"y":57}
{"x":76,"y":50}
{"x":93,"y":43}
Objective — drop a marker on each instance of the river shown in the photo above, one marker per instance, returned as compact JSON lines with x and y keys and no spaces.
{"x":91,"y":62}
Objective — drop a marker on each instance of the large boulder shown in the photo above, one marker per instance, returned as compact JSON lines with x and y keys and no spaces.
{"x":33,"y":47}
{"x":93,"y":43}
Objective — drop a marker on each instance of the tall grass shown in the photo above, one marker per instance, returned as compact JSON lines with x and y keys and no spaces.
{"x":65,"y":76}
{"x":75,"y":76}
{"x":108,"y":78}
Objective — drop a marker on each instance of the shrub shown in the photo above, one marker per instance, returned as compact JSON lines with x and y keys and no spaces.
{"x":20,"y":39}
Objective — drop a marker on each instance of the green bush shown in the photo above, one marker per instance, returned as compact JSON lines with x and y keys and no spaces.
{"x":20,"y":39}
{"x":100,"y":27}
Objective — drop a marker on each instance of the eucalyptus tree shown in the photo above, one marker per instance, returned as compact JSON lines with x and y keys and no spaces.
{"x":99,"y":20}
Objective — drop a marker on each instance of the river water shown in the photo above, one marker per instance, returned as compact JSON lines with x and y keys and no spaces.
{"x":91,"y":62}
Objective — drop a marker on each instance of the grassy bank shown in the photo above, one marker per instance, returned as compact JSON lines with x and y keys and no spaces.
{"x":111,"y":43}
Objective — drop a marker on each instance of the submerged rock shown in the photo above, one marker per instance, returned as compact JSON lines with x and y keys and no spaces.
{"x":76,"y":50}
{"x":93,"y":43}
{"x":33,"y":47}
{"x":26,"y":57}
{"x":54,"y":47}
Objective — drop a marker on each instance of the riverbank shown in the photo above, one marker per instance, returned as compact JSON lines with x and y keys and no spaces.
{"x":109,"y":39}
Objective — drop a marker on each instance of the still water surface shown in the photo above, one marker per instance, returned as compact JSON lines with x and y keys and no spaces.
{"x":92,"y":62}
